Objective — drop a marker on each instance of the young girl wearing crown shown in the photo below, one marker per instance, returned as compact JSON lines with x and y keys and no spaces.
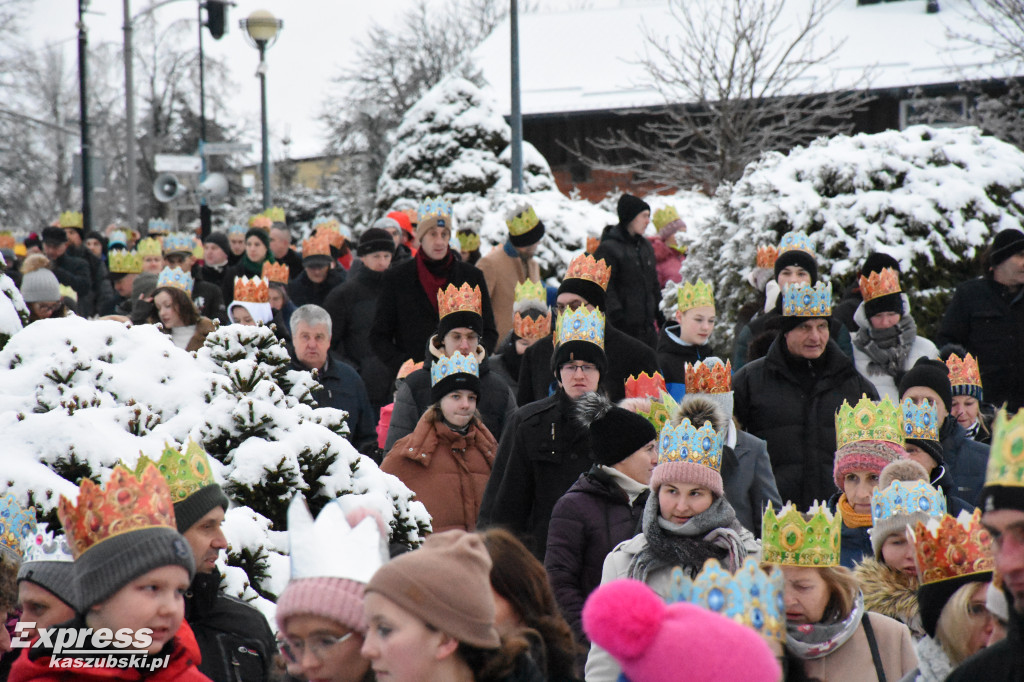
{"x":686,"y":342}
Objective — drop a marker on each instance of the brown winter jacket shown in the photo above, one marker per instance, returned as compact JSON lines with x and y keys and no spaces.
{"x":851,"y":662}
{"x":503,"y":273}
{"x":447,"y":471}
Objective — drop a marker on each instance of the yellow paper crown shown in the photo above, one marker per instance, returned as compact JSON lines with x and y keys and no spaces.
{"x":695,"y":295}
{"x":71,"y":219}
{"x":796,"y":539}
{"x":585,"y":267}
{"x":67,"y":292}
{"x":1006,"y":453}
{"x":252,"y":290}
{"x":275,"y":213}
{"x":186,"y":471}
{"x":463,"y":299}
{"x":150,"y":246}
{"x":878,"y":284}
{"x":533,"y":292}
{"x":521,"y":220}
{"x":127,"y":262}
{"x":664,"y":215}
{"x":275,"y":272}
{"x":868,"y":420}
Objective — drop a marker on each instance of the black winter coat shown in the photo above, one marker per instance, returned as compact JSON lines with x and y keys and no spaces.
{"x":854,"y":543}
{"x":540,"y":455}
{"x":791,"y":403}
{"x":294,"y":262}
{"x":303,"y":290}
{"x":102,"y":291}
{"x":234,"y":638}
{"x":965,"y":460}
{"x":673,"y":357}
{"x":748,"y":480}
{"x":626,"y":357}
{"x":73,"y":272}
{"x":633,"y":291}
{"x":762,"y":330}
{"x":209,"y":299}
{"x":987,"y":319}
{"x":586,"y":524}
{"x":342,"y":389}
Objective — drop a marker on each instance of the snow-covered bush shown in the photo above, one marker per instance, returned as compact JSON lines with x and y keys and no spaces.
{"x":931,"y":197}
{"x":13,"y":311}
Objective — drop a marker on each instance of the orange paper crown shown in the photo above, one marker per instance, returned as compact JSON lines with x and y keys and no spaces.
{"x":703,"y":379}
{"x":526,"y":327}
{"x":963,"y":372}
{"x":766,"y":257}
{"x":408,"y":367}
{"x":592,"y":244}
{"x":6,"y":240}
{"x":464,"y":299}
{"x":254,"y":290}
{"x":261,"y":221}
{"x":585,"y":267}
{"x":879,"y":284}
{"x":952,"y":547}
{"x":318,"y":245}
{"x":333,"y":236}
{"x":275,"y":272}
{"x":123,"y":505}
{"x":646,"y":386}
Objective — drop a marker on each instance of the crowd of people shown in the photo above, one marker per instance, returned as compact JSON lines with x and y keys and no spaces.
{"x":839,"y":499}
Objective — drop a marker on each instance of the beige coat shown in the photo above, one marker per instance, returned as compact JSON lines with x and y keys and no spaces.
{"x":502,"y":274}
{"x":852,"y":661}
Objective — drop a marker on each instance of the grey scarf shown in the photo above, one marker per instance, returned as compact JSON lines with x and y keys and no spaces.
{"x":887,"y":349}
{"x":933,"y":663}
{"x":816,"y":640}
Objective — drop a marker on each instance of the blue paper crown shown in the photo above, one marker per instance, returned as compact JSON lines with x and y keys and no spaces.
{"x":179,"y":241}
{"x":795,"y":241}
{"x":920,"y":422}
{"x":42,"y":545}
{"x":435,"y":207}
{"x":750,"y":597}
{"x":118,"y":237}
{"x":456,"y":364}
{"x":802,"y":300}
{"x":238,"y":228}
{"x":176,"y":279}
{"x":580,"y":325}
{"x":684,"y":443}
{"x":159,"y":226}
{"x":16,"y":523}
{"x":905,"y":498}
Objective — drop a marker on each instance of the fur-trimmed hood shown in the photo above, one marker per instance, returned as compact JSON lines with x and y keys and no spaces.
{"x":891,"y":593}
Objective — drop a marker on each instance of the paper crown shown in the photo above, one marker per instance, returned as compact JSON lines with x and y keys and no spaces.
{"x":661,"y":411}
{"x":795,"y":539}
{"x":252,"y":290}
{"x":802,"y":300}
{"x":795,"y":241}
{"x":585,"y":267}
{"x":530,"y":295}
{"x":530,"y":328}
{"x":158,"y":226}
{"x":124,"y":262}
{"x":749,"y":597}
{"x":123,"y":505}
{"x":176,"y":279}
{"x":237,"y":229}
{"x":408,"y":367}
{"x":43,"y":545}
{"x":275,"y":272}
{"x":148,"y":247}
{"x":580,"y":325}
{"x":695,"y":295}
{"x":905,"y":498}
{"x":521,"y":220}
{"x":951,"y":548}
{"x":645,"y":385}
{"x":198,"y":251}
{"x":118,"y":237}
{"x":328,"y":547}
{"x":664,"y":215}
{"x":878,"y":284}
{"x":463,"y":299}
{"x":436,"y":208}
{"x":766,"y":257}
{"x":868,"y":420}
{"x":686,"y":443}
{"x":67,"y":292}
{"x":332,"y":234}
{"x":261,"y":222}
{"x":317,"y":245}
{"x":275,"y":213}
{"x":468,"y":241}
{"x":456,"y":364}
{"x":326,"y":223}
{"x":6,"y":240}
{"x":185,"y":471}
{"x":1006,"y":453}
{"x":16,"y":524}
{"x":71,"y":219}
{"x":179,"y":241}
{"x":708,"y":377}
{"x":662,"y":405}
{"x":920,"y":422}
{"x":963,"y":372}
{"x":591,"y":244}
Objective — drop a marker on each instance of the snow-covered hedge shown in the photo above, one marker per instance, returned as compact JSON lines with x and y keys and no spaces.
{"x":13,"y":311}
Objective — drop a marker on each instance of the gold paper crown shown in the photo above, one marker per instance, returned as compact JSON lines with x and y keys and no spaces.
{"x":952,"y":548}
{"x":261,"y":221}
{"x":530,"y":291}
{"x":695,"y":295}
{"x":275,"y":213}
{"x":585,"y":267}
{"x":795,"y":539}
{"x":708,"y":378}
{"x":127,"y":262}
{"x":868,"y":420}
{"x":664,"y":215}
{"x":150,"y":246}
{"x":71,"y":219}
{"x":123,"y":505}
{"x":522,"y":220}
{"x":766,"y":257}
{"x":318,"y":245}
{"x":464,"y":299}
{"x":252,"y":290}
{"x":1006,"y":453}
{"x":275,"y":272}
{"x":529,"y":328}
{"x":186,"y":471}
{"x":963,"y":372}
{"x":878,"y":284}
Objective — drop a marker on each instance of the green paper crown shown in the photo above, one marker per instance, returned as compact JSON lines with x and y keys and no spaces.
{"x":275,"y":213}
{"x":663,"y":216}
{"x":662,"y":409}
{"x":795,"y":539}
{"x":187,"y":471}
{"x":868,"y":420}
{"x":521,"y":220}
{"x":1006,"y":454}
{"x":695,"y":295}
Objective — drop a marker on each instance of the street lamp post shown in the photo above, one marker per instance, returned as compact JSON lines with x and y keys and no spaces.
{"x":83,"y":103}
{"x":262,"y":29}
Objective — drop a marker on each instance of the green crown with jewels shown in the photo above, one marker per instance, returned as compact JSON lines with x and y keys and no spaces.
{"x":521,"y":220}
{"x":796,"y":539}
{"x":187,"y":471}
{"x":868,"y":420}
{"x":695,"y":295}
{"x":920,"y":422}
{"x":661,"y":411}
{"x":1006,"y":453}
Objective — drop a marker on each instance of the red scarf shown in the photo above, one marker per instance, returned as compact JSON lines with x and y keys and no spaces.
{"x":433,"y":275}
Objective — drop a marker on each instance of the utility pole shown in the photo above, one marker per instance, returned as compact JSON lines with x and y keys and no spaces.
{"x":129,"y":103}
{"x":205,"y":215}
{"x":83,"y":97}
{"x":517,"y":114}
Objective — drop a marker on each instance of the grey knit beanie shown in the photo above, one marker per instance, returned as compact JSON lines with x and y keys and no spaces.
{"x":57,"y":577}
{"x":197,"y":505}
{"x":40,"y":286}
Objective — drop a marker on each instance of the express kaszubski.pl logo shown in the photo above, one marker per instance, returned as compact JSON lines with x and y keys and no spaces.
{"x":77,"y":648}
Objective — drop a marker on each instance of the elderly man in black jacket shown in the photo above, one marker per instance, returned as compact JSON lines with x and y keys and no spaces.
{"x":69,"y":270}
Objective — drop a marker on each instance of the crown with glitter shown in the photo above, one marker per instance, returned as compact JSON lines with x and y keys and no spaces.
{"x":750,"y":597}
{"x":179,"y":242}
{"x":963,"y":372}
{"x":521,"y":220}
{"x":186,"y":471}
{"x":331,"y":229}
{"x":695,"y":295}
{"x":43,"y":545}
{"x":436,"y":208}
{"x":329,"y":547}
{"x":645,"y":385}
{"x":6,"y":240}
{"x":795,"y":241}
{"x":1006,"y":453}
{"x":686,"y":443}
{"x":150,"y":246}
{"x":766,"y":257}
{"x":275,"y":272}
{"x":795,"y":539}
{"x":652,"y":387}
{"x":157,"y":226}
{"x":868,"y":420}
{"x":705,"y":377}
{"x":580,"y":325}
{"x":920,"y":422}
{"x":238,"y":228}
{"x":456,"y":364}
{"x":317,"y":245}
{"x":952,"y":548}
{"x":176,"y":279}
{"x":327,"y":223}
{"x":530,"y":295}
{"x":457,"y":300}
{"x":71,"y":219}
{"x":905,"y":498}
{"x":877,"y":284}
{"x":16,"y":523}
{"x":124,"y":262}
{"x":261,"y":222}
{"x":803,"y":300}
{"x":252,"y":289}
{"x":118,"y":237}
{"x":586,"y":267}
{"x":664,"y":215}
{"x":275,"y":213}
{"x":468,"y":240}
{"x":531,"y":328}
{"x":408,"y":367}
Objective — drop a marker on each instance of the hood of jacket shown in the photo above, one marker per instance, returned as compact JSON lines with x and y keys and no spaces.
{"x":891,"y":593}
{"x":431,"y":433}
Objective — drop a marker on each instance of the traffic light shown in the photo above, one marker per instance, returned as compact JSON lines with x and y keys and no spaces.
{"x":216,"y":17}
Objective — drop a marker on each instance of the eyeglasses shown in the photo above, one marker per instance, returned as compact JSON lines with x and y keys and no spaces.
{"x":294,"y":649}
{"x":48,"y":307}
{"x":571,"y":368}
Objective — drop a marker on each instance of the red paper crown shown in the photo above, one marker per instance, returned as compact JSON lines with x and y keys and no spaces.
{"x":464,"y":299}
{"x":254,"y":290}
{"x":703,"y":379}
{"x":526,"y":327}
{"x":275,"y":272}
{"x":646,"y":386}
{"x":766,"y":257}
{"x":123,"y":505}
{"x":952,"y":548}
{"x":879,"y":284}
{"x":963,"y":372}
{"x":585,"y":267}
{"x":318,"y":245}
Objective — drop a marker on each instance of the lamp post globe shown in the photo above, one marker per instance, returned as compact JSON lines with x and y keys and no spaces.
{"x":261,"y":30}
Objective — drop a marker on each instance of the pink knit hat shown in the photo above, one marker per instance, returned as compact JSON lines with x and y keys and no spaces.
{"x":864,"y":455}
{"x":335,"y":599}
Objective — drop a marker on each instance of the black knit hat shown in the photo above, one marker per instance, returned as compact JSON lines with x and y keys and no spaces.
{"x":54,"y":235}
{"x":458,"y":373}
{"x":220,"y":239}
{"x":615,"y":433}
{"x":582,"y":351}
{"x":878,"y":261}
{"x":932,"y":597}
{"x":375,"y":239}
{"x":260,"y":233}
{"x":630,"y":207}
{"x":890,"y":303}
{"x":197,"y":505}
{"x":931,"y":374}
{"x":56,"y":577}
{"x":591,"y":292}
{"x":1006,"y":244}
{"x":788,"y":323}
{"x":932,"y":447}
{"x":461,"y":318}
{"x":799,"y":258}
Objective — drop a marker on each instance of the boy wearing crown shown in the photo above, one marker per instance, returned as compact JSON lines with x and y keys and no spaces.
{"x":179,"y":252}
{"x":46,"y":582}
{"x":512,"y":263}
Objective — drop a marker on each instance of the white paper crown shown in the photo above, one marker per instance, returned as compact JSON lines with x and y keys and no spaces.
{"x":43,"y":545}
{"x":329,"y":547}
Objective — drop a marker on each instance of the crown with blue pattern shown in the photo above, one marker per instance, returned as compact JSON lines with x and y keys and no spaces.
{"x":795,"y":241}
{"x":920,"y":422}
{"x":176,"y":279}
{"x":906,"y":498}
{"x":749,"y":597}
{"x":238,"y":228}
{"x":16,"y":523}
{"x":179,"y":242}
{"x":158,"y":226}
{"x":456,"y":364}
{"x":686,"y":443}
{"x":802,"y":300}
{"x":436,"y":209}
{"x":44,"y":545}
{"x":580,"y":325}
{"x":117,"y":237}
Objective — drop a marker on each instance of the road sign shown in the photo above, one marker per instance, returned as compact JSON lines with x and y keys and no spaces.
{"x":224,"y":148}
{"x":177,"y":163}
